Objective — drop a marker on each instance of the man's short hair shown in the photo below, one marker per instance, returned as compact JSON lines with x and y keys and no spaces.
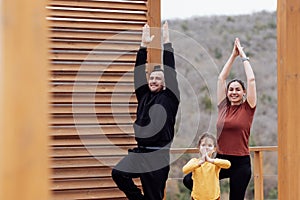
{"x":157,"y":68}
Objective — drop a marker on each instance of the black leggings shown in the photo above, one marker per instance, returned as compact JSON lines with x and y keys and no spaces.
{"x":239,"y":175}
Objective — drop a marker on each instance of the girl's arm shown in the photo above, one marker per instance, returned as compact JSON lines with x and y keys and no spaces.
{"x":191,"y":165}
{"x":222,"y":163}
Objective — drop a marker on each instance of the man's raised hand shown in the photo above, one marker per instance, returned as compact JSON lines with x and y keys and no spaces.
{"x":146,"y":38}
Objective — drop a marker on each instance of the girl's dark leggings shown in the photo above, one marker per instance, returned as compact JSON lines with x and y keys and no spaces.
{"x":239,"y":175}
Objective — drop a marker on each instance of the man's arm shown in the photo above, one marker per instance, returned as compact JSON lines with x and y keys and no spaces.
{"x":169,"y":63}
{"x":139,"y":69}
{"x":140,"y":78}
{"x":169,"y":70}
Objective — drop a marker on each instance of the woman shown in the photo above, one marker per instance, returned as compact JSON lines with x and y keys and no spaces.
{"x":235,"y":115}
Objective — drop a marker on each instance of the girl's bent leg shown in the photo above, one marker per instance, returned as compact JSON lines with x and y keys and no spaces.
{"x":188,"y":181}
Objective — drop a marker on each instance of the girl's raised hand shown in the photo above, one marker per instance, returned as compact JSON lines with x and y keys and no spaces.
{"x":209,"y":159}
{"x":201,"y":162}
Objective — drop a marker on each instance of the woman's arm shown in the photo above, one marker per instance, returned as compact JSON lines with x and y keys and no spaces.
{"x":221,"y":87}
{"x":251,"y":85}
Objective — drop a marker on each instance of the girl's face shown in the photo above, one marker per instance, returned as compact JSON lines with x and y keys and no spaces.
{"x":207,"y":146}
{"x":235,"y":93}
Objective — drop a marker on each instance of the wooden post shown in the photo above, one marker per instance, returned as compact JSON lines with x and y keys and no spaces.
{"x":288,"y":61}
{"x":24,"y":169}
{"x":154,"y":52}
{"x":258,"y":176}
{"x":154,"y":21}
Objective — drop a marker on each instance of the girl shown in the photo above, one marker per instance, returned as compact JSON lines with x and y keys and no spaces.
{"x":205,"y":170}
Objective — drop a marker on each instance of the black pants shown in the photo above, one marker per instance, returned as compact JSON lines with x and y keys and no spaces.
{"x":152,"y":167}
{"x":239,"y":175}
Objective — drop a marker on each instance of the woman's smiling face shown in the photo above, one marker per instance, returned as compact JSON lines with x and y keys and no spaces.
{"x":235,"y":93}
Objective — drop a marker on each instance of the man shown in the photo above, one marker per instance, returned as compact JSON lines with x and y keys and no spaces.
{"x":158,"y":100}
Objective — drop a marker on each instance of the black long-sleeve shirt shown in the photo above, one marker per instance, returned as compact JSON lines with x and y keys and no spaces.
{"x":156,"y":111}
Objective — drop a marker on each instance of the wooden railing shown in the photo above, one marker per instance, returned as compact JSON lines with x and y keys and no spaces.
{"x":257,"y":166}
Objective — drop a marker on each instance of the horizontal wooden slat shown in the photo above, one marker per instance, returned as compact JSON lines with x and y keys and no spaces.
{"x":80,"y":172}
{"x":93,"y":98}
{"x":91,"y":130}
{"x":96,"y":88}
{"x":93,"y":24}
{"x":113,"y":198}
{"x":86,"y":162}
{"x":88,"y":183}
{"x":124,"y":36}
{"x":125,"y":5}
{"x":105,"y":194}
{"x":92,"y":108}
{"x":91,"y":77}
{"x":91,"y":66}
{"x":92,"y":56}
{"x":92,"y":119}
{"x":93,"y":45}
{"x":96,"y":13}
{"x":82,"y":183}
{"x":90,"y":151}
{"x":93,"y":140}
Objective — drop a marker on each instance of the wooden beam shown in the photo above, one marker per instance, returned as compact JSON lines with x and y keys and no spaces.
{"x":288,"y":60}
{"x":154,"y":21}
{"x":196,"y":150}
{"x":258,"y":176}
{"x":24,"y":168}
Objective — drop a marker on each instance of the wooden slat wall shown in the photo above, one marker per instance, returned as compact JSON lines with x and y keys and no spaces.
{"x":93,"y":49}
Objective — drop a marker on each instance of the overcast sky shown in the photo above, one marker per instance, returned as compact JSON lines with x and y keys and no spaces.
{"x":188,"y":8}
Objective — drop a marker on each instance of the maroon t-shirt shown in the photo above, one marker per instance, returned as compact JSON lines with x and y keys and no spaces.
{"x":233,"y":128}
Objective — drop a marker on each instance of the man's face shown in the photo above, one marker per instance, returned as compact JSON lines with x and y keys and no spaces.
{"x":156,"y":81}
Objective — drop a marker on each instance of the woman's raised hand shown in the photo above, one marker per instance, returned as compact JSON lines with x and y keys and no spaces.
{"x":235,"y":50}
{"x":240,"y":48}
